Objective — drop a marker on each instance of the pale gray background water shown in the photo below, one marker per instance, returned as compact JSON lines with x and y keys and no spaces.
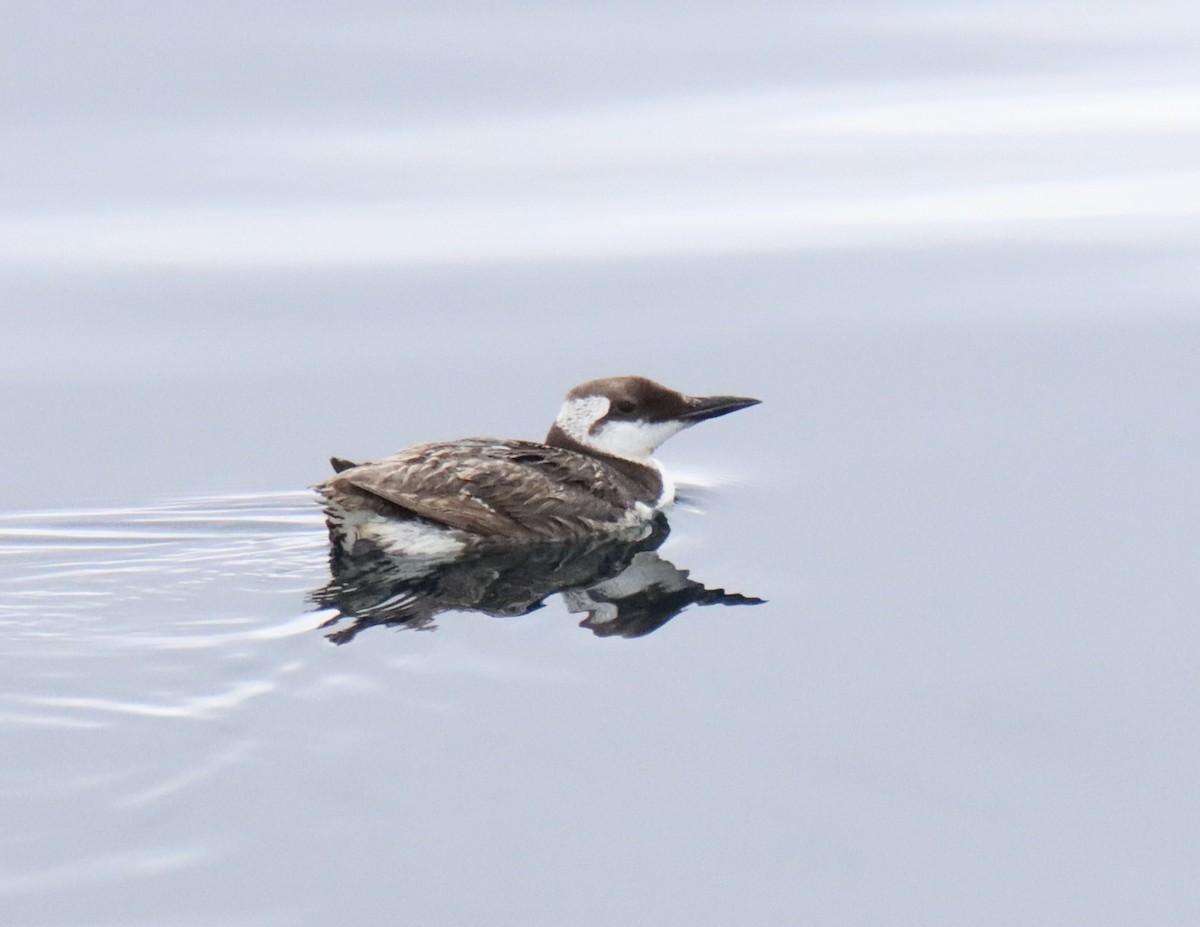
{"x":953,"y":248}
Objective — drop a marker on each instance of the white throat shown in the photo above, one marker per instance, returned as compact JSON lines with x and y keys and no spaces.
{"x":629,"y":440}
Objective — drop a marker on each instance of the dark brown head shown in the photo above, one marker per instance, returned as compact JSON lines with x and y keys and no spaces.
{"x":629,"y":417}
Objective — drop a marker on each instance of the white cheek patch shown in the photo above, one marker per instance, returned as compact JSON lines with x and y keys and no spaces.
{"x":577,"y":417}
{"x":632,"y":440}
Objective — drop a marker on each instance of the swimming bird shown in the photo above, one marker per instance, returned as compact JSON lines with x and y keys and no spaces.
{"x":594,"y":474}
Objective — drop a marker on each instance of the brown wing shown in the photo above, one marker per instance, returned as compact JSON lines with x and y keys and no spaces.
{"x":514,"y":489}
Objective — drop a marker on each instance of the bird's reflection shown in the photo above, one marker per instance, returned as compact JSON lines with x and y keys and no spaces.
{"x":622,"y":587}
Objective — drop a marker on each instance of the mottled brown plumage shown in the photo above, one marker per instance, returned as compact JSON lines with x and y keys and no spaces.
{"x":510,"y":490}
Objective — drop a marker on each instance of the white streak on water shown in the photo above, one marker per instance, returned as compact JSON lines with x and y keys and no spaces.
{"x":779,"y":168}
{"x":101,"y":607}
{"x":302,"y":624}
{"x":201,"y":772}
{"x":39,"y":719}
{"x":200,"y":706}
{"x":109,"y":867}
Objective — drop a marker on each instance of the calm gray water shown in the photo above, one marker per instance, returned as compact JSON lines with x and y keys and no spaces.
{"x":954,"y":250}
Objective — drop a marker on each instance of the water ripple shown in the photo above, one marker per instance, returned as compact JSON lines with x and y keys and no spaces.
{"x":104,"y":612}
{"x":63,"y":564}
{"x":195,"y":707}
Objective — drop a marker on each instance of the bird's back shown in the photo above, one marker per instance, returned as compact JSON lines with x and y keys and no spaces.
{"x":509,"y":491}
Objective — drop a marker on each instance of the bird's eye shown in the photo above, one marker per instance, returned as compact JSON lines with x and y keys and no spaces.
{"x":625,"y":406}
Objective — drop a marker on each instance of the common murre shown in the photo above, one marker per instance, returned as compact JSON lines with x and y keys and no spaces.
{"x":594,"y":474}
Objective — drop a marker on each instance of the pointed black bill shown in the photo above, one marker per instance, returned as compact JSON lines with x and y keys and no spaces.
{"x":704,"y":407}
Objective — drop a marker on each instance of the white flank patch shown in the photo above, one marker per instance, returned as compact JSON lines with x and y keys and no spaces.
{"x":410,"y":538}
{"x":413,"y":539}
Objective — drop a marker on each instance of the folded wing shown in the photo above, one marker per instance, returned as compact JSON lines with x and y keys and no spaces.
{"x":510,"y":489}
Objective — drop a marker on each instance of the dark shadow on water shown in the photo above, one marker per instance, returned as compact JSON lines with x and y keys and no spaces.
{"x":624,"y":588}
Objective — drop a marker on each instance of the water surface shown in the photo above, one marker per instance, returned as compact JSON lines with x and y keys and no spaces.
{"x":952,"y":250}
